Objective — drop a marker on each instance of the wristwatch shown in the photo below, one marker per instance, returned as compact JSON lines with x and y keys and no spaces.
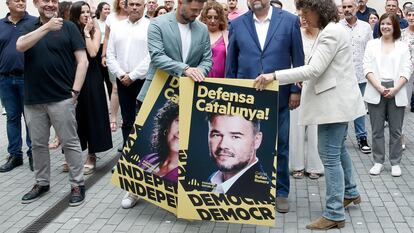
{"x":75,"y":92}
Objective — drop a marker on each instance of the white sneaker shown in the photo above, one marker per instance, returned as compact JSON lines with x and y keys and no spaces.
{"x":376,"y":169}
{"x":129,"y":200}
{"x":395,"y":170}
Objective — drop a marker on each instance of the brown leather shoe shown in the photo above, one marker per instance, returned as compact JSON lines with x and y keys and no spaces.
{"x":282,"y":204}
{"x":355,"y":200}
{"x":325,"y":224}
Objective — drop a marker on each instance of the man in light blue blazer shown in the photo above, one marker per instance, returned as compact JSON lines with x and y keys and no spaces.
{"x":263,"y":40}
{"x":179,"y":44}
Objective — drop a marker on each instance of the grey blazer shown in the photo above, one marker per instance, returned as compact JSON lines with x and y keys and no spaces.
{"x":164,"y":45}
{"x":330,"y":91}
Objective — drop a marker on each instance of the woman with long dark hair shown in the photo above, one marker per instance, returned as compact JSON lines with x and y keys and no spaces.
{"x":163,"y":162}
{"x":91,"y":111}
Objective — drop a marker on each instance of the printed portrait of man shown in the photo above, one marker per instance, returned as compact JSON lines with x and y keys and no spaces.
{"x":233,"y":143}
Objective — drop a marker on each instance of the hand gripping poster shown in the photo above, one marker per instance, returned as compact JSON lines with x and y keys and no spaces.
{"x":148,"y":166}
{"x":227,"y":162}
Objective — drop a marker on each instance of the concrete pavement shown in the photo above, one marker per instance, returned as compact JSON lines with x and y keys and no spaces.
{"x":387,"y":202}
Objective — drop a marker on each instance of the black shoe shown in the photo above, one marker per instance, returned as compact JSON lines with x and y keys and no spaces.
{"x":31,"y":163}
{"x":12,"y":162}
{"x":77,"y":195}
{"x":34,"y":194}
{"x":363,"y":146}
{"x":120,"y":149}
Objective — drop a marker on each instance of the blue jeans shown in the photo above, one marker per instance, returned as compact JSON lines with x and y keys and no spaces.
{"x":359,"y":123}
{"x":339,"y":180}
{"x":12,"y":94}
{"x":282,"y":181}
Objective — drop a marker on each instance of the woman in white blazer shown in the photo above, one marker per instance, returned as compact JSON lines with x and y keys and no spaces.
{"x":387,"y":66}
{"x":330,"y":99}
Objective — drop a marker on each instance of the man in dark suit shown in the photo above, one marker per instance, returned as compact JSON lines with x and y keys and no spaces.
{"x":233,"y":142}
{"x":263,"y":40}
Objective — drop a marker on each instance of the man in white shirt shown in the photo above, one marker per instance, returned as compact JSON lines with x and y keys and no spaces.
{"x":233,"y":142}
{"x":128,"y":58}
{"x":361,"y":33}
{"x":179,"y":45}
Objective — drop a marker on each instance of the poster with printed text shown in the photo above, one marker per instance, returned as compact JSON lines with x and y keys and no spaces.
{"x":227,"y":159}
{"x":148,"y":166}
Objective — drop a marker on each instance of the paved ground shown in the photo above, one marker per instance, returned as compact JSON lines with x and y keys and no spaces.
{"x":388,"y":203}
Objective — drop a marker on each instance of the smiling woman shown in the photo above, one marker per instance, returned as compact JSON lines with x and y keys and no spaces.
{"x":387,"y":67}
{"x":91,"y":107}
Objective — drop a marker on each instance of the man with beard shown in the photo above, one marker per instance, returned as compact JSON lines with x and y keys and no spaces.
{"x":179,"y":44}
{"x":361,"y":33}
{"x":364,"y":11}
{"x":263,"y":40}
{"x":54,"y":72}
{"x":233,"y":142}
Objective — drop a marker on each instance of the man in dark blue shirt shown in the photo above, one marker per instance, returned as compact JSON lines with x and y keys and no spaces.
{"x":12,"y":82}
{"x":364,"y":11}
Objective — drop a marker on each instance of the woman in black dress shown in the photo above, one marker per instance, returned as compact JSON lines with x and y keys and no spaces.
{"x":91,"y":111}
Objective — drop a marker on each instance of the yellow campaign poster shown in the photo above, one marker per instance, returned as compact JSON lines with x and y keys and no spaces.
{"x":227,"y":161}
{"x":148,"y":166}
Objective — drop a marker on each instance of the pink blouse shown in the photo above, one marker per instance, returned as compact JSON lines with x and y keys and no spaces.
{"x":219,"y":59}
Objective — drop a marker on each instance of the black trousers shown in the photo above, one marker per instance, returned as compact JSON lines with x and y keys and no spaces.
{"x":127,"y":102}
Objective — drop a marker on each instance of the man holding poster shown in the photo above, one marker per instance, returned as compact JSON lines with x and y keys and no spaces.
{"x":233,"y":141}
{"x":263,"y":40}
{"x":179,"y":44}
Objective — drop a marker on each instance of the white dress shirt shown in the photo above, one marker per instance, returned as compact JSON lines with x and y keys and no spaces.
{"x":262,"y":27}
{"x":361,"y":33}
{"x":127,"y":51}
{"x":224,"y":186}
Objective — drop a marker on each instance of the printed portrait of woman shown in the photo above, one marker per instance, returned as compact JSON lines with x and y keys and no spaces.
{"x":163,"y":161}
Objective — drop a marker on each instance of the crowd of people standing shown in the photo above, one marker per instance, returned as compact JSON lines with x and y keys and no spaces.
{"x":85,"y":65}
